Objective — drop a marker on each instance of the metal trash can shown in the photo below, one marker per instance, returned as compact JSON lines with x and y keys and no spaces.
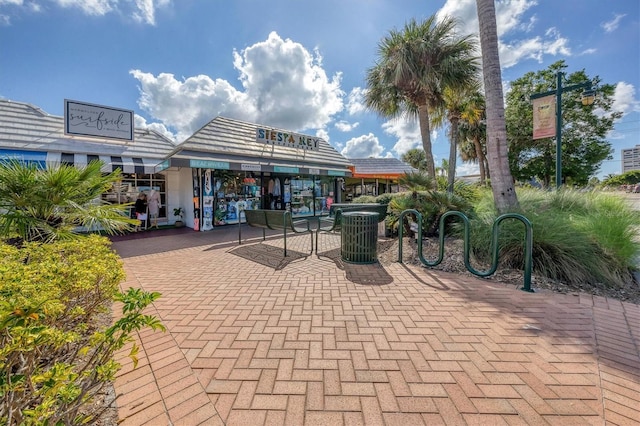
{"x":359,"y":237}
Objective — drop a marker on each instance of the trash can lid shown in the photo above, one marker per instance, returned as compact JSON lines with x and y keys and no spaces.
{"x":359,"y":214}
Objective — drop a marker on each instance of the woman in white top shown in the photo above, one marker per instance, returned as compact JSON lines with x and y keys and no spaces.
{"x":153,"y":203}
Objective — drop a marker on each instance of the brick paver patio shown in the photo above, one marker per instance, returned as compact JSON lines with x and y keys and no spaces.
{"x":259,"y":340}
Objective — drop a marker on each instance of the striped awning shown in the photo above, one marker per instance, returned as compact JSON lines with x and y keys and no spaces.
{"x":137,"y":165}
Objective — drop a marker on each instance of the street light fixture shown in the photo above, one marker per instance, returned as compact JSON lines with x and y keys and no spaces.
{"x":588,"y":98}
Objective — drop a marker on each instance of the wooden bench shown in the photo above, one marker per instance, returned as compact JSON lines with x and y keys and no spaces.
{"x":278,"y":220}
{"x":333,"y":222}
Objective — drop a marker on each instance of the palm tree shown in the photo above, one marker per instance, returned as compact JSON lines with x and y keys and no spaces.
{"x":416,"y":158}
{"x":459,"y":104}
{"x":473,"y":145}
{"x":504,"y":194}
{"x":413,"y":67}
{"x":56,"y":203}
{"x":473,"y":129}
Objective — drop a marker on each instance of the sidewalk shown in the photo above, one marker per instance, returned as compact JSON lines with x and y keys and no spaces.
{"x":256,"y":339}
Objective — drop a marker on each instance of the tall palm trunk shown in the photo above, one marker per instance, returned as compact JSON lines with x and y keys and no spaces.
{"x":425,"y":133}
{"x":453,"y":154}
{"x":504,"y":194}
{"x":481,"y":159}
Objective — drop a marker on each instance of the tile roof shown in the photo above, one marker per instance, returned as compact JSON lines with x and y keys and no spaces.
{"x":26,"y":127}
{"x":235,"y":140}
{"x":380,"y":167}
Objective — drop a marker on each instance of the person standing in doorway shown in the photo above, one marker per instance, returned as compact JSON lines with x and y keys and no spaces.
{"x":153,"y":203}
{"x":141,"y":211}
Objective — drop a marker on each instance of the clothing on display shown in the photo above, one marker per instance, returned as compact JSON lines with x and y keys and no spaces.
{"x":276,"y":187}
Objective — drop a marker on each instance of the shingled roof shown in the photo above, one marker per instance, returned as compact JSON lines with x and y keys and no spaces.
{"x":380,"y":168}
{"x":25,"y":127}
{"x":235,"y":140}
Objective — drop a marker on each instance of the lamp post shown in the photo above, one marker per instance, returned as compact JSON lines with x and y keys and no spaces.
{"x":588,"y":97}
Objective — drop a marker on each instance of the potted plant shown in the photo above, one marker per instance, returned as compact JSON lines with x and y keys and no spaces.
{"x":178,"y":212}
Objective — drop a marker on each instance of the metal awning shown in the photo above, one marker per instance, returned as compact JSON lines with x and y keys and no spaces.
{"x":138,"y":165}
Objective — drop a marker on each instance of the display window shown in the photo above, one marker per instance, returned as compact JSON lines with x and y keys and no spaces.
{"x":309,"y":195}
{"x":221,"y":196}
{"x":233,"y":193}
{"x":132,"y":184}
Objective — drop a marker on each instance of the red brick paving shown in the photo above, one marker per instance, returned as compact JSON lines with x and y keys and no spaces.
{"x":322,"y":342}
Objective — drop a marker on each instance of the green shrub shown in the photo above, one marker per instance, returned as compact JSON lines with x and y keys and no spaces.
{"x":362,"y":199}
{"x":431,"y":204}
{"x":578,"y":237}
{"x":54,"y":356}
{"x":386,"y":197}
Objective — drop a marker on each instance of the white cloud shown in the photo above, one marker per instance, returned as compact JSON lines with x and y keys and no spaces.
{"x":465,"y":169}
{"x":407,"y":134}
{"x":283,"y":86}
{"x":345,"y":126}
{"x":355,"y":101}
{"x":513,"y":25}
{"x":189,"y":104}
{"x":90,"y":7}
{"x":141,"y":123}
{"x":287,"y":85}
{"x":141,"y":10}
{"x":323,"y":134}
{"x":364,"y":146}
{"x":534,"y":48}
{"x":612,"y":25}
{"x":624,"y":98}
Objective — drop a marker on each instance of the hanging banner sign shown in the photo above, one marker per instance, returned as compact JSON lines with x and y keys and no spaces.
{"x":544,"y":117}
{"x":291,"y":140}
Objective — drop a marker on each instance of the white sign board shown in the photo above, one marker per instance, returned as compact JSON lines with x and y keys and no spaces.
{"x":83,"y":119}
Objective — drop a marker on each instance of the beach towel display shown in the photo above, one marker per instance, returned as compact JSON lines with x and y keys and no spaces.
{"x":195,"y":178}
{"x":207,"y":201}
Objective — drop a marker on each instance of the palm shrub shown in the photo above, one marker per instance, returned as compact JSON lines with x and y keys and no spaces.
{"x":431,"y":205}
{"x":54,"y":358}
{"x":57,"y":202}
{"x":578,"y":237}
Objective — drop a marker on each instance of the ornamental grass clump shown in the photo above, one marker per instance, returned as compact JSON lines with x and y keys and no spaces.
{"x":579,"y":238}
{"x":55,"y":357}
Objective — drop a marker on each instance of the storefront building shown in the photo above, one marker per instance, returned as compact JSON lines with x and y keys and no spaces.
{"x":375,"y":176}
{"x":231,"y":165}
{"x":29,"y":134}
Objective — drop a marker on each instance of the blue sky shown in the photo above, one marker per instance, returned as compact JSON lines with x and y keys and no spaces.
{"x":299,"y":65}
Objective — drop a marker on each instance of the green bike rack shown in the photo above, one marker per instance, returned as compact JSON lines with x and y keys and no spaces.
{"x":528,"y":244}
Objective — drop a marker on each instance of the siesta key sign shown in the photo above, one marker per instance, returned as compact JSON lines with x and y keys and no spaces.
{"x":84,"y":119}
{"x":291,"y":140}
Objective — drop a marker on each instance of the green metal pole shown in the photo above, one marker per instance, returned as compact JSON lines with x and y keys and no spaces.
{"x":559,"y":131}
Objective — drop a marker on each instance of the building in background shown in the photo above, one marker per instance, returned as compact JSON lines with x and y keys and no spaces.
{"x":30,"y":134}
{"x":230,"y":165}
{"x":631,"y":159}
{"x":374,"y":176}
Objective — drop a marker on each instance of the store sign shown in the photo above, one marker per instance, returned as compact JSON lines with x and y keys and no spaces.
{"x":83,"y":119}
{"x":208,"y":164}
{"x":279,"y":169}
{"x":250,"y":167}
{"x":336,"y":173}
{"x":291,"y":140}
{"x":29,"y":157}
{"x":162,"y":166}
{"x":314,"y":171}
